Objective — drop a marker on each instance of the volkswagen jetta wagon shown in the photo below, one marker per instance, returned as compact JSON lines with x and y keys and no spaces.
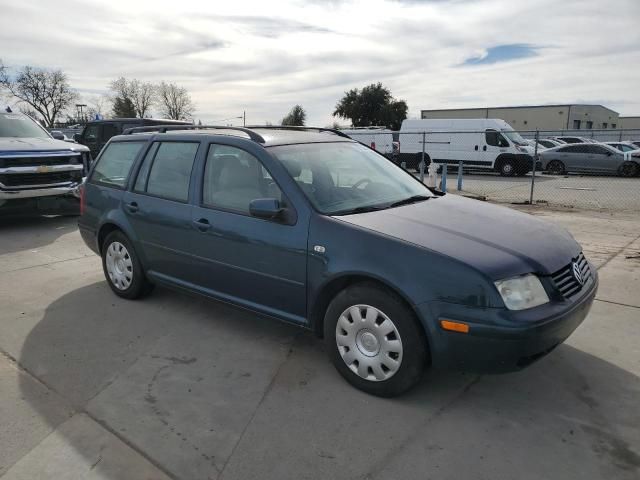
{"x":313,"y":228}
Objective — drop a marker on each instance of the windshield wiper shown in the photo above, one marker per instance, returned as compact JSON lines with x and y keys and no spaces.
{"x":409,"y":200}
{"x":365,"y":209}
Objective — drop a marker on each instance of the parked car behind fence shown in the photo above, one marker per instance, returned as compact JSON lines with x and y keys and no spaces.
{"x":589,"y":158}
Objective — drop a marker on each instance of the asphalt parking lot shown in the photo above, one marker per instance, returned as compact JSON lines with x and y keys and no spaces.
{"x":173,"y":386}
{"x":593,"y":192}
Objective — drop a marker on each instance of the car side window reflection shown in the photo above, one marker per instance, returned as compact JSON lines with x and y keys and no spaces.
{"x":233,"y":178}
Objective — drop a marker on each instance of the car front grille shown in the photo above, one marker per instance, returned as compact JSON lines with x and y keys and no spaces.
{"x":27,"y":179}
{"x":566,"y":279}
{"x":37,"y":161}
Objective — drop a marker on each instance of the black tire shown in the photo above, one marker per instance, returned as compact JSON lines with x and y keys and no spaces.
{"x":556,"y":167}
{"x":413,"y":346}
{"x":418,"y":160}
{"x":507,"y":168}
{"x":139,"y":285}
{"x":628,"y":169}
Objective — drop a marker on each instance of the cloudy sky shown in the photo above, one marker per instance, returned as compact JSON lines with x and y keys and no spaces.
{"x":265,"y":56}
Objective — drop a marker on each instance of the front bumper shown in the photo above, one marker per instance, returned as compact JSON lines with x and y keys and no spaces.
{"x":495,"y":346}
{"x":41,"y":201}
{"x":73,"y":190}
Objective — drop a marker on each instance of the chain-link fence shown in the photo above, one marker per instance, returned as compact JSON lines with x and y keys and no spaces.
{"x":588,"y":169}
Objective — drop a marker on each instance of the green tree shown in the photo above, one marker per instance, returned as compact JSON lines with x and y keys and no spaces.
{"x":296,"y":117}
{"x":123,"y":108}
{"x":373,"y":105}
{"x":142,"y":95}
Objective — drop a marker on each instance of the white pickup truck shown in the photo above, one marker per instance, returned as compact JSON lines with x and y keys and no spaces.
{"x":38,"y":174}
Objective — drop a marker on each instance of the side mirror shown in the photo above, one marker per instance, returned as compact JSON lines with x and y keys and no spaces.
{"x":609,"y":153}
{"x":57,"y":134}
{"x":77,"y":137}
{"x":268,"y":208}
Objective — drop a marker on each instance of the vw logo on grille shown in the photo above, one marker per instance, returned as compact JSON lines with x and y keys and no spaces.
{"x":577,"y":273}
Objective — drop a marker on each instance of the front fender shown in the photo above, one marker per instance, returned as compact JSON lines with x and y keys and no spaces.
{"x":417,"y":274}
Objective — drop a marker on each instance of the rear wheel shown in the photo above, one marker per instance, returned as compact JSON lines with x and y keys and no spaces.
{"x":628,"y":169}
{"x":555,"y":167}
{"x":122,"y":268}
{"x":374,"y":340}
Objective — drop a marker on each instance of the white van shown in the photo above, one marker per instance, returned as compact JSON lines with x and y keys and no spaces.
{"x":482,"y":143}
{"x":378,"y":138}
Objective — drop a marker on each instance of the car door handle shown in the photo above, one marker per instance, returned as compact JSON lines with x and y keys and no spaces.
{"x":476,"y":149}
{"x":484,"y":149}
{"x":132,"y":207}
{"x":202,"y":224}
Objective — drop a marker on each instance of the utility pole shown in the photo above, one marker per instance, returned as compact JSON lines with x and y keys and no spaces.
{"x":79,"y":107}
{"x":244,"y":118}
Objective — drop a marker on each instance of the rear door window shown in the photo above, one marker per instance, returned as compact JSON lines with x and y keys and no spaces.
{"x":91,"y":133}
{"x":169,"y":170}
{"x":109,"y":130}
{"x":115,"y":163}
{"x":595,"y":149}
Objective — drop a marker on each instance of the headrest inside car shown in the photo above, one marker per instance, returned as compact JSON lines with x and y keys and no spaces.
{"x":293,"y":167}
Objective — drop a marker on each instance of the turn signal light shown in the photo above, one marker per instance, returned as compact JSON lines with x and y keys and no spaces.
{"x":454,"y":326}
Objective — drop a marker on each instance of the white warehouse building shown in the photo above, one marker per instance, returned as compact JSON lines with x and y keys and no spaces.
{"x":540,"y":117}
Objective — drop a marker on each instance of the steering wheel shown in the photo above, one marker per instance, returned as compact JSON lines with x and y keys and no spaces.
{"x":360,"y":182}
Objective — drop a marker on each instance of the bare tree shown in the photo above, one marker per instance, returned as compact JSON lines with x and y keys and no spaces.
{"x":47,"y":91}
{"x":27,"y":110}
{"x":98,"y":106}
{"x":175,"y":102}
{"x":143,"y":95}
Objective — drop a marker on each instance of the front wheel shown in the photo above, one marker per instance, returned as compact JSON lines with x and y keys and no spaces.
{"x":122,"y":268}
{"x":508,"y":168}
{"x":374,"y":340}
{"x":628,"y":169}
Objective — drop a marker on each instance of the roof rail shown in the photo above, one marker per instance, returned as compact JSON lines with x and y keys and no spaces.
{"x":301,"y":128}
{"x":164,"y":128}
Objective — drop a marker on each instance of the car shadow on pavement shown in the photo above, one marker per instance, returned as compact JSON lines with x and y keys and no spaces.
{"x":203,"y":388}
{"x":28,"y":233}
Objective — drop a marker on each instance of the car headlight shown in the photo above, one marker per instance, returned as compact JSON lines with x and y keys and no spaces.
{"x":522,"y":292}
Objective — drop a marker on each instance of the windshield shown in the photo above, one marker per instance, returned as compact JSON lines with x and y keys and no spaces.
{"x":19,"y":126}
{"x":514,"y":137}
{"x":345,"y":177}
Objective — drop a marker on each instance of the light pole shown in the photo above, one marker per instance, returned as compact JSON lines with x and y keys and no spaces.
{"x":243,"y":118}
{"x":79,"y":107}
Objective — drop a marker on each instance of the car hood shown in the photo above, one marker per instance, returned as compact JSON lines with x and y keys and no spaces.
{"x":10,"y":145}
{"x":498,"y":241}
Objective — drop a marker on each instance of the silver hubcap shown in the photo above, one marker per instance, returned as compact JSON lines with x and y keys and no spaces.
{"x":369,"y":343}
{"x":119,"y":266}
{"x":507,"y":168}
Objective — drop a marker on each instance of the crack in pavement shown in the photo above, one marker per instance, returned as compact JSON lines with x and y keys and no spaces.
{"x":616,"y":303}
{"x":262,"y":399}
{"x":618,"y":252}
{"x":54,"y":262}
{"x":373,"y":471}
{"x":77,"y":409}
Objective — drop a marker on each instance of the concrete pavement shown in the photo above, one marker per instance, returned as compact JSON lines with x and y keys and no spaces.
{"x":173,"y":386}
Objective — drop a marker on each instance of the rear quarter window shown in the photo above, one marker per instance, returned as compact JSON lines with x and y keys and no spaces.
{"x":114,"y":165}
